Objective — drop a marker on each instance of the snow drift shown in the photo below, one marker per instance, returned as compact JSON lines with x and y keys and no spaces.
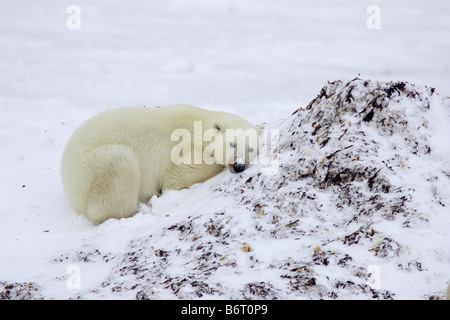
{"x":357,"y":207}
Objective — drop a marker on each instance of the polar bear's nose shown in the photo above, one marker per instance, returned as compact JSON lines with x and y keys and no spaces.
{"x":238,"y":167}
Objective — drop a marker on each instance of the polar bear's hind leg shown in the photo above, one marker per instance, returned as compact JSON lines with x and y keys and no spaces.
{"x":114,"y":190}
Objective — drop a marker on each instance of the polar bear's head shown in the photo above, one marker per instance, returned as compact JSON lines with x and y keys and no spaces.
{"x":237,"y":146}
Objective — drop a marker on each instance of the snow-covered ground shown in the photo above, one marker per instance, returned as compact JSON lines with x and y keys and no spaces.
{"x":317,"y":228}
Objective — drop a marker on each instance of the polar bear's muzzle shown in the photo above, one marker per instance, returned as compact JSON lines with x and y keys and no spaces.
{"x":238,"y":167}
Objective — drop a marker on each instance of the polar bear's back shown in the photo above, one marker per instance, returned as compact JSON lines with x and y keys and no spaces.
{"x":131,"y":127}
{"x":134,"y":127}
{"x":117,"y":126}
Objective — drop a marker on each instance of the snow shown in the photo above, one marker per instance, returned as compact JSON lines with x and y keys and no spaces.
{"x":314,"y":229}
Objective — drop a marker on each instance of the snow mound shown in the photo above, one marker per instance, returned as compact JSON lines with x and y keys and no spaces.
{"x":357,"y":207}
{"x":19,"y":291}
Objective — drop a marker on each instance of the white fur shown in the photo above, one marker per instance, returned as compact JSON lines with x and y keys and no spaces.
{"x":122,"y":157}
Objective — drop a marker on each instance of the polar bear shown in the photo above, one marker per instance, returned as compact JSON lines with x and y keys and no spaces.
{"x":123,"y":157}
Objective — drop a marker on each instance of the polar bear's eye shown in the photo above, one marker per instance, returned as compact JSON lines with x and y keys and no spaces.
{"x":233,"y":145}
{"x":250,"y":149}
{"x":217,"y":127}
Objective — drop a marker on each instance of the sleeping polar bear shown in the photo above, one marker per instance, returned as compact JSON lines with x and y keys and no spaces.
{"x":122,"y":157}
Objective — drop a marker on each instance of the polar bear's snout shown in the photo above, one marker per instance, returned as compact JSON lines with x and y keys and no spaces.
{"x":238,"y":167}
{"x":237,"y":162}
